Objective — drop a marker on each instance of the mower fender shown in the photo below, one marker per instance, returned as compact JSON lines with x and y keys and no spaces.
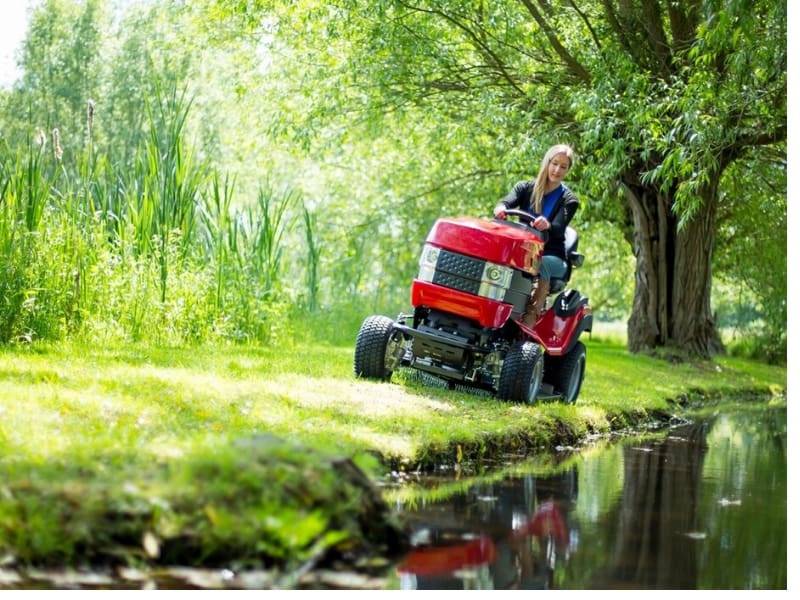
{"x":559,"y":335}
{"x":585,"y":325}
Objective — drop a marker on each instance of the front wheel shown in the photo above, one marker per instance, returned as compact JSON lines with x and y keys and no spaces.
{"x":371,"y":345}
{"x":568,"y":372}
{"x":521,"y":376}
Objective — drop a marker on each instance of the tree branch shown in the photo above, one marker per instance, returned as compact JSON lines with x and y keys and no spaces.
{"x":478,"y":43}
{"x":586,"y":21}
{"x":621,"y":29}
{"x":747,"y":140}
{"x":683,"y":23}
{"x":556,"y":44}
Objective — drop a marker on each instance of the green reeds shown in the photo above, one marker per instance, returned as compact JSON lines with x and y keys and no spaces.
{"x":171,"y":184}
{"x":158,"y":250}
{"x":269,"y":224}
{"x":256,"y":242}
{"x":27,"y":183}
{"x":217,"y":233}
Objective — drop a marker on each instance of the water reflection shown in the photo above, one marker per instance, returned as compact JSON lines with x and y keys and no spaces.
{"x":702,"y":506}
{"x":511,"y":535}
{"x":652,"y":544}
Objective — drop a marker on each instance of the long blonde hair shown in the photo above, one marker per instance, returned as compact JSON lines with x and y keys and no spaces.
{"x":541,"y":178}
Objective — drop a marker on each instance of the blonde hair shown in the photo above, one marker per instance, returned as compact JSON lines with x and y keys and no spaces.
{"x":541,"y":178}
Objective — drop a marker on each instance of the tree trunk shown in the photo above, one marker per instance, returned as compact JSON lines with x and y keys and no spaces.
{"x":692,"y":322}
{"x":653,"y":227}
{"x":672,"y":292}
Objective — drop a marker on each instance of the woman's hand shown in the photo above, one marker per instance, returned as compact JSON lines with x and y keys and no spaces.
{"x":541,"y":223}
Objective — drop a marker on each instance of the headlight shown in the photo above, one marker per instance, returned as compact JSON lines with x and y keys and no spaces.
{"x":427,"y":262}
{"x":496,"y":279}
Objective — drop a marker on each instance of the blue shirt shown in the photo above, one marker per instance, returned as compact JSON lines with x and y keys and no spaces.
{"x":549,"y":202}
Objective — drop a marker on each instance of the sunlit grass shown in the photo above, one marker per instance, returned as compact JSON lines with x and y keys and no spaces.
{"x":151,"y":435}
{"x":157,"y":403}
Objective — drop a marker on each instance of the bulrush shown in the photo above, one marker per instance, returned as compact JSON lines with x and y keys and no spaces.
{"x":89,"y":118}
{"x":57,"y":151}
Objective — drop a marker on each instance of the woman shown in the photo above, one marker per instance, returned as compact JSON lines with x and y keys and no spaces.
{"x":552,"y":204}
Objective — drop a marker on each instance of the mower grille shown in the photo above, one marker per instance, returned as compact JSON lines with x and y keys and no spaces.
{"x":459,"y":272}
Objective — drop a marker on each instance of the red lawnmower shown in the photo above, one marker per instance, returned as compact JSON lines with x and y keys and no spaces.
{"x":475,"y":277}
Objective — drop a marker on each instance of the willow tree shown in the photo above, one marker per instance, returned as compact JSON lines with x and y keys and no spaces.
{"x":678,"y":93}
{"x":659,"y":97}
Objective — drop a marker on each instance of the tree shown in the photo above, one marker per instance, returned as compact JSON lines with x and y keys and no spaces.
{"x":713,"y":78}
{"x":60,"y":63}
{"x":659,"y":97}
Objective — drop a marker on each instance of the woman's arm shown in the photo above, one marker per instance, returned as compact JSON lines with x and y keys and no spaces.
{"x":518,"y":197}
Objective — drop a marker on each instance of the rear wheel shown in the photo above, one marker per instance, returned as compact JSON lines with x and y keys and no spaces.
{"x":371,"y":344}
{"x":566,"y":372}
{"x":521,"y":376}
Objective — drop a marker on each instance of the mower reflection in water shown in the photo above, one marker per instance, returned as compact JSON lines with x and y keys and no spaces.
{"x":506,"y":535}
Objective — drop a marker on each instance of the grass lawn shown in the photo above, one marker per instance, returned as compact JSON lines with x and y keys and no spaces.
{"x":156,"y":454}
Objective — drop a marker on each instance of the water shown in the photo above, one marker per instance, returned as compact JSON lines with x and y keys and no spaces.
{"x":702,"y":507}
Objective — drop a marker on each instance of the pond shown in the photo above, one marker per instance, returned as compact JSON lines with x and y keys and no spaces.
{"x":700,"y":507}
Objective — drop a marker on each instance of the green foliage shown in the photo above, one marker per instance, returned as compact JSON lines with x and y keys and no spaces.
{"x":94,"y":249}
{"x":61,"y":65}
{"x":312,"y":274}
{"x":164,"y":187}
{"x":215,"y":231}
{"x":41,"y":274}
{"x":751,"y":259}
{"x":605,"y":275}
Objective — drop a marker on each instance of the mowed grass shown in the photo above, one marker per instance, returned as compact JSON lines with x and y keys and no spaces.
{"x":151,"y":404}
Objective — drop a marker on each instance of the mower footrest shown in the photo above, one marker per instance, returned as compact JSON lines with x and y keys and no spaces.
{"x":438,"y":337}
{"x":440,"y":370}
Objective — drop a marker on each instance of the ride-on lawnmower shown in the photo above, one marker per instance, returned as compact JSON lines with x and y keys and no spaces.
{"x":475,"y":278}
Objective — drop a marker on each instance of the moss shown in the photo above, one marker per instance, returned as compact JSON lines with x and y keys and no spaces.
{"x":261,"y":502}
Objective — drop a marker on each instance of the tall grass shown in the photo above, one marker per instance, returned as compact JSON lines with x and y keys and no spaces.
{"x":34,"y":293}
{"x":159,"y":250}
{"x":216,"y":231}
{"x":268,"y":226}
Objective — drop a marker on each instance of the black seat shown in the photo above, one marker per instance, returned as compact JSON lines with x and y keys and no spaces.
{"x":574,"y":259}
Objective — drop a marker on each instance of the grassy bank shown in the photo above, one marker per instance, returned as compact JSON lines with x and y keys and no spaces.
{"x":236,"y":455}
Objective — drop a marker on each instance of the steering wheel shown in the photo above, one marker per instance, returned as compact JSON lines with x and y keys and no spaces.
{"x":526,"y":220}
{"x":523,"y":216}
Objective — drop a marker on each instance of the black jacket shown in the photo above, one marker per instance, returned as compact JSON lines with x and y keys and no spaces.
{"x":520,"y":197}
